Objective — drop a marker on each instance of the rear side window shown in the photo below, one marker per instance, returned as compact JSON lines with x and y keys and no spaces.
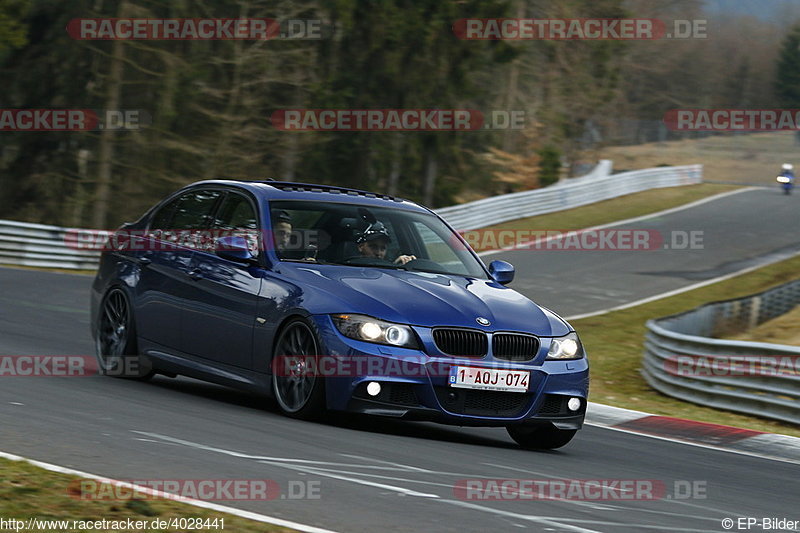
{"x":178,"y":222}
{"x":194,"y":210}
{"x":161,"y":220}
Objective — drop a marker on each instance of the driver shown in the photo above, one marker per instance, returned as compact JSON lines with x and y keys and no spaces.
{"x":373,"y":242}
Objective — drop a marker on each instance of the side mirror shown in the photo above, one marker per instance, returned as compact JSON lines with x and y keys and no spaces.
{"x":234,"y":248}
{"x":502,"y":272}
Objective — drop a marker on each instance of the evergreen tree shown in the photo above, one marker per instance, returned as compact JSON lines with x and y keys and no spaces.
{"x":787,"y":77}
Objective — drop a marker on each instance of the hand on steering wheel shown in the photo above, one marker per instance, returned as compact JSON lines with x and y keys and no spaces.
{"x":403,"y":259}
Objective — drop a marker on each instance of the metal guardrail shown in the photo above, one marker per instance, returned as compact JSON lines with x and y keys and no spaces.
{"x":45,"y":246}
{"x":38,"y":245}
{"x":596,"y":186}
{"x":757,"y":378}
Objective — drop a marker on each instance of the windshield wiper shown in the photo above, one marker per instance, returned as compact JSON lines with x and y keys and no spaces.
{"x":373,"y":262}
{"x":412,"y":269}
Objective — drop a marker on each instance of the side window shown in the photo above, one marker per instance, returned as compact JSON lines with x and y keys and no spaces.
{"x":236,"y":216}
{"x":161,"y":220}
{"x":295,"y":232}
{"x":191,"y":212}
{"x":194,"y":209}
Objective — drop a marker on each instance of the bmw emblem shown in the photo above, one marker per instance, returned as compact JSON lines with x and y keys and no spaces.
{"x":482,"y":321}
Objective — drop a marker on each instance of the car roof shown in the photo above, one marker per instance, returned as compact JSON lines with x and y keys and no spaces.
{"x":289,"y":190}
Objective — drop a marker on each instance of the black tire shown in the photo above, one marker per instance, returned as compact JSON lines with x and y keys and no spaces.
{"x":115,"y":340}
{"x":544,"y":437}
{"x":298,"y":394}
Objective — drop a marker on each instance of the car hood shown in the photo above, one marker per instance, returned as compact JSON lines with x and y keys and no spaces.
{"x":421,"y":298}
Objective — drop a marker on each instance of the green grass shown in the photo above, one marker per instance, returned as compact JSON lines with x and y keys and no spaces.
{"x":28,"y":491}
{"x":731,"y":157}
{"x":614,"y":342}
{"x":81,"y":272}
{"x":784,"y":329}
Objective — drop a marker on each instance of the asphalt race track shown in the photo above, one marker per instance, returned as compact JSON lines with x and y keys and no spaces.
{"x":732,"y":233}
{"x":385,"y":475}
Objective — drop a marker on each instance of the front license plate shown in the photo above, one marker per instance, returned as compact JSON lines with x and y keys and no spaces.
{"x":467,"y":377}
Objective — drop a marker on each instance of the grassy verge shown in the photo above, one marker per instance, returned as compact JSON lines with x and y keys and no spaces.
{"x":749,"y":158}
{"x":50,"y":269}
{"x":27,"y":491}
{"x":607,"y":211}
{"x":615,"y":343}
{"x":784,"y":329}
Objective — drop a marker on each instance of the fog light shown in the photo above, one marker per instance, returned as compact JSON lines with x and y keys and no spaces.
{"x":574,"y":404}
{"x":373,"y":388}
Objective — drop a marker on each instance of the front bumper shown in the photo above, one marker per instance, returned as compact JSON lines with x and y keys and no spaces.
{"x":414,"y":385}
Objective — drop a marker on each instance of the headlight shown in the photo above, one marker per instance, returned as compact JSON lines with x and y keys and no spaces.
{"x":566,"y":347}
{"x":365,"y":328}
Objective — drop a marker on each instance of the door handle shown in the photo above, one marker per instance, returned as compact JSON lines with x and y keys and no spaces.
{"x":195,"y":274}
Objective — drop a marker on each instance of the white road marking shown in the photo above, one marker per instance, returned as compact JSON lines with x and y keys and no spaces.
{"x":323,"y":468}
{"x":548,"y":476}
{"x":379,"y":476}
{"x":241,"y":455}
{"x":696,"y":444}
{"x":616,"y":503}
{"x":626,"y":221}
{"x":682,"y":289}
{"x":407,"y":467}
{"x":659,"y":527}
{"x":645,"y":217}
{"x":189,"y":501}
{"x":172,"y":440}
{"x":547,"y":521}
{"x":322,"y":472}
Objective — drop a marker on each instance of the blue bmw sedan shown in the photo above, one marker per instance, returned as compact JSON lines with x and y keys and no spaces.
{"x":330,"y":298}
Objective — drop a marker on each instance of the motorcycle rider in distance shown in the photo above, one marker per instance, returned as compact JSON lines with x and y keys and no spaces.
{"x":786,"y":178}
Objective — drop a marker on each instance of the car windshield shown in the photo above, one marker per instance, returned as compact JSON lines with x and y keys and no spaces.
{"x":368,"y":236}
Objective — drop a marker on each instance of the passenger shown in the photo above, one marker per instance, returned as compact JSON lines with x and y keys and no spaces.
{"x":281,"y":230}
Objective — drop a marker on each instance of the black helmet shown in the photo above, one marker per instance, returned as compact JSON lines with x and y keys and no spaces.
{"x":376,"y":230}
